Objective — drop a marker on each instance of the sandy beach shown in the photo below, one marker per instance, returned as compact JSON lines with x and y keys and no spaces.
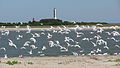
{"x":58,"y":27}
{"x":63,"y":62}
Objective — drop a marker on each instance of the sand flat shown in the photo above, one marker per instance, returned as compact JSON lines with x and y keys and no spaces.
{"x":62,"y":62}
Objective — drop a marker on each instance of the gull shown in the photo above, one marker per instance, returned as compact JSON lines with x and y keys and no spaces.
{"x":39,"y":52}
{"x":94,"y":44}
{"x":115,"y":33}
{"x":54,"y":31}
{"x":42,"y":54}
{"x":105,"y":53}
{"x":99,"y":50}
{"x":3,"y":48}
{"x":30,"y":52}
{"x":22,"y":48}
{"x":44,"y":48}
{"x":17,"y":27}
{"x":91,"y":32}
{"x":67,"y":39}
{"x":49,"y":36}
{"x":12,"y":44}
{"x":26,"y":43}
{"x":77,"y":46}
{"x":97,"y":37}
{"x":106,"y":47}
{"x":20,"y":56}
{"x":29,"y":29}
{"x":79,"y":34}
{"x":115,"y":53}
{"x":63,"y":49}
{"x":5,"y":32}
{"x":75,"y":54}
{"x":19,"y":36}
{"x":101,"y":42}
{"x":33,"y":39}
{"x":35,"y":35}
{"x":117,"y":46}
{"x":85,"y":39}
{"x":51,"y":43}
{"x":5,"y":56}
{"x":100,"y":30}
{"x":33,"y":46}
{"x":42,"y":33}
{"x":108,"y":33}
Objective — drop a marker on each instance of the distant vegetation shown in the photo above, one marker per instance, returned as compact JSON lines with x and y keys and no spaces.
{"x":50,"y":22}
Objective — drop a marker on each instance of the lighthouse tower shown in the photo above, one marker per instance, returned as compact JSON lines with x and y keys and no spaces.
{"x":55,"y":13}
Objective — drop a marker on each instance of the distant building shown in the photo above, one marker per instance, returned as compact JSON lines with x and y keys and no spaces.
{"x":33,"y":20}
{"x":55,"y":13}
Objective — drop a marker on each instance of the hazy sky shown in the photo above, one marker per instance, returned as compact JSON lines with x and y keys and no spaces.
{"x":70,"y":10}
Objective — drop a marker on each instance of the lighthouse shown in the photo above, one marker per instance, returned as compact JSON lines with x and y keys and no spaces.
{"x":55,"y":13}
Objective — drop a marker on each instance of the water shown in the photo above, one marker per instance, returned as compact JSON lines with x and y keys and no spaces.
{"x":59,"y":43}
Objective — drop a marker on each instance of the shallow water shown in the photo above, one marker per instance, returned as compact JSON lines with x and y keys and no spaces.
{"x":66,"y":42}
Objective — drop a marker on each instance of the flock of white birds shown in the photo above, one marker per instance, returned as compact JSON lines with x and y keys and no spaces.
{"x":79,"y":43}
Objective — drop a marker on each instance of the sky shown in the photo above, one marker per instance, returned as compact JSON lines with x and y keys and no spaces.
{"x":67,"y":10}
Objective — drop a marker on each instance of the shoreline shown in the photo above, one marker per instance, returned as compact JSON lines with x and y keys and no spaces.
{"x":61,"y":28}
{"x":63,"y":62}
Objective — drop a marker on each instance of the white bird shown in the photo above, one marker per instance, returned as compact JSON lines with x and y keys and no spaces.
{"x":94,"y":44}
{"x":5,"y":56}
{"x":22,"y":48}
{"x":54,"y":31}
{"x":5,"y":32}
{"x":42,"y":33}
{"x":30,"y":52}
{"x":75,"y":54}
{"x":86,"y":39}
{"x":101,"y":41}
{"x":33,"y":39}
{"x":49,"y":36}
{"x":33,"y":46}
{"x":115,"y":33}
{"x":68,"y":39}
{"x":63,"y":49}
{"x":44,"y":48}
{"x":29,"y":29}
{"x":3,"y":48}
{"x":35,"y":35}
{"x":40,"y":52}
{"x":26,"y":43}
{"x":51,"y":43}
{"x":77,"y":46}
{"x":106,"y":47}
{"x":12,"y":44}
{"x":98,"y":50}
{"x":19,"y":36}
{"x":105,"y":53}
{"x":20,"y":56}
{"x":117,"y":46}
{"x":79,"y":34}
